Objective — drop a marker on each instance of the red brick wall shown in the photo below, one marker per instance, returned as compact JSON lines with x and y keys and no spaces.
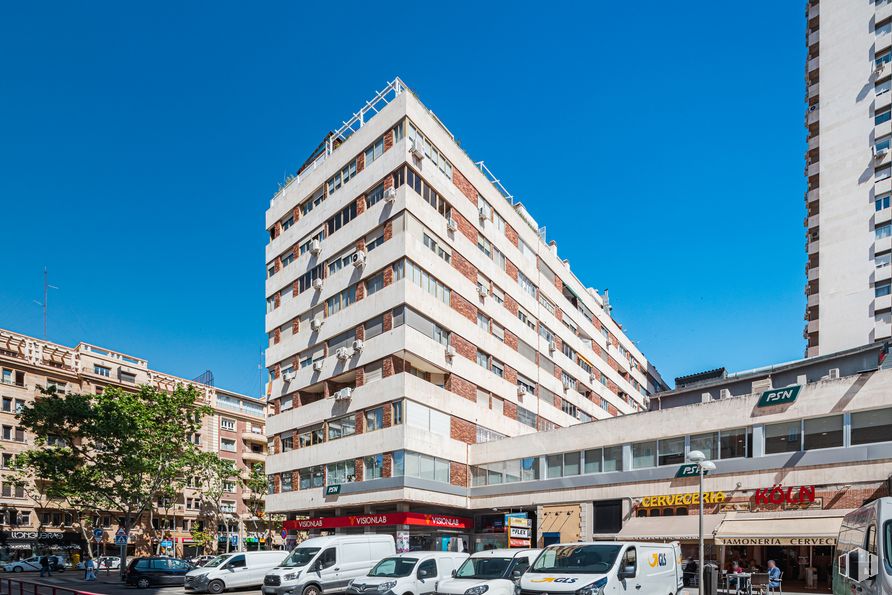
{"x":460,"y":386}
{"x":511,"y":340}
{"x":465,"y":227}
{"x":462,"y":306}
{"x":387,"y":466}
{"x":511,"y":269}
{"x":510,"y":304}
{"x":463,"y":347}
{"x":461,"y":264}
{"x":511,"y":234}
{"x":464,"y":186}
{"x":458,"y":474}
{"x":460,"y":429}
{"x":510,"y":410}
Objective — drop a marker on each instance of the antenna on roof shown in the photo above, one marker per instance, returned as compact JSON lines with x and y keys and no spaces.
{"x":46,"y":288}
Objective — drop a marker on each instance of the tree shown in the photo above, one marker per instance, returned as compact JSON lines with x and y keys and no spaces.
{"x":117,"y":450}
{"x":212,"y":474}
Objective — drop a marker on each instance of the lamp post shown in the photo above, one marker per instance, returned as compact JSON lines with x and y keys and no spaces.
{"x":696,"y":456}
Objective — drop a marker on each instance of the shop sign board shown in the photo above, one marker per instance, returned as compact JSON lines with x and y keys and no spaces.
{"x":779,"y":396}
{"x":775,"y":540}
{"x":689,"y":470}
{"x":691,"y":498}
{"x":402,"y":542}
{"x":380,"y":520}
{"x":519,"y":533}
{"x":779,"y":495}
{"x":333,"y":490}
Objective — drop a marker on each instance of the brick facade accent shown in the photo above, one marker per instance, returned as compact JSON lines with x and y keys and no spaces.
{"x":387,"y":466}
{"x":510,"y":410}
{"x":511,"y":234}
{"x":360,"y":205}
{"x":465,"y":227}
{"x":388,"y":230}
{"x":388,"y":140}
{"x":510,"y":304}
{"x":463,"y":347}
{"x":461,"y":387}
{"x":358,"y":465}
{"x":463,"y":430}
{"x":464,"y":186}
{"x":463,"y":266}
{"x":388,"y":321}
{"x":360,"y":162}
{"x":511,"y":340}
{"x":511,"y":269}
{"x":510,"y":374}
{"x":463,"y":306}
{"x":458,"y":474}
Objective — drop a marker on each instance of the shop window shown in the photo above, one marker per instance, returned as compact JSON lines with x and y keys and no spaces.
{"x":613,"y":458}
{"x":707,"y":444}
{"x":644,"y":454}
{"x":783,"y":437}
{"x":823,"y":432}
{"x":671,"y":451}
{"x":871,"y":426}
{"x":733,"y":443}
{"x":593,"y":461}
{"x":607,"y":516}
{"x":681,"y":512}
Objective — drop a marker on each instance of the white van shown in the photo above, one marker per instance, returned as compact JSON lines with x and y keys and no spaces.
{"x":327,"y":564}
{"x":601,"y":567}
{"x":864,"y":551}
{"x":493,"y":572}
{"x":411,"y":573}
{"x":235,"y":570}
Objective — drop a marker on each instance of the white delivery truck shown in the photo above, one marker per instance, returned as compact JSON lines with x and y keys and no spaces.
{"x":864,"y":551}
{"x":411,"y":573}
{"x":605,"y":568}
{"x":493,"y":572}
{"x":236,"y":570}
{"x":327,"y":564}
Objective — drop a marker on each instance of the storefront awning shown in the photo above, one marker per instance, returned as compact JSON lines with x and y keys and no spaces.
{"x":781,"y":529}
{"x":682,"y":528}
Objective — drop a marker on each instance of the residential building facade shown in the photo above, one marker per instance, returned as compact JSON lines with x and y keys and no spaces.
{"x":235,"y":430}
{"x":414,"y":309}
{"x":849,"y":175}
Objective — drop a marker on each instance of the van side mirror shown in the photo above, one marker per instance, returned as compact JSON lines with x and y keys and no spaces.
{"x":454,"y":572}
{"x":423,"y":573}
{"x":515,"y":574}
{"x":627,"y":572}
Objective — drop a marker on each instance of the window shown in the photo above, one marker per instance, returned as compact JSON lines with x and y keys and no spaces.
{"x":487,"y":435}
{"x":484,"y":246}
{"x":312,"y":477}
{"x":7,"y":404}
{"x":644,"y":454}
{"x":373,"y":467}
{"x":419,"y":141}
{"x":374,"y":196}
{"x":227,"y":424}
{"x":822,"y":432}
{"x":497,"y":368}
{"x":592,"y":461}
{"x":229,"y":486}
{"x":428,"y":283}
{"x":882,"y":289}
{"x":526,"y":251}
{"x":374,"y":419}
{"x":227,"y":445}
{"x":341,"y":427}
{"x":287,"y":441}
{"x":526,"y":417}
{"x":342,"y":218}
{"x":339,"y":262}
{"x":882,"y":202}
{"x":526,"y":284}
{"x":707,"y":444}
{"x":101,"y":370}
{"x":871,"y":426}
{"x":340,"y":300}
{"x":422,"y":188}
{"x":340,"y":472}
{"x":435,"y":247}
{"x":328,"y":558}
{"x":883,"y":231}
{"x":127,"y":377}
{"x":374,"y":239}
{"x":424,"y":466}
{"x":883,"y":173}
{"x":783,"y":437}
{"x":671,"y":451}
{"x":375,"y":150}
{"x":342,"y":177}
{"x":305,"y":246}
{"x":310,"y":437}
{"x":883,"y":87}
{"x":733,"y":443}
{"x":482,"y":359}
{"x":397,"y":413}
{"x":883,"y":260}
{"x":883,"y":116}
{"x":374,"y":284}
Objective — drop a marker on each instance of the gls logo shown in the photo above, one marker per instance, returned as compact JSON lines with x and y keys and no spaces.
{"x":551,"y":579}
{"x":657,"y":559}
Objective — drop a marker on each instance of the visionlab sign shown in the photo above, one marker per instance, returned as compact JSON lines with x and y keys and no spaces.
{"x":779,"y":396}
{"x":379,"y":520}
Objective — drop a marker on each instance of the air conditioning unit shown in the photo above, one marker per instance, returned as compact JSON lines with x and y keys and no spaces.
{"x":451,"y":224}
{"x":552,"y":346}
{"x":522,"y":390}
{"x":317,"y":366}
{"x":482,"y":214}
{"x":289,"y":376}
{"x":567,"y":385}
{"x":316,"y":324}
{"x":724,"y":393}
{"x":880,"y":67}
{"x":358,"y":345}
{"x":833,"y":373}
{"x":880,"y":153}
{"x":358,"y":258}
{"x":416,"y":151}
{"x":591,"y":378}
{"x":482,"y":291}
{"x":450,"y":352}
{"x":317,"y":284}
{"x":390,"y":194}
{"x":344,"y":393}
{"x":343,"y":353}
{"x":315,"y":247}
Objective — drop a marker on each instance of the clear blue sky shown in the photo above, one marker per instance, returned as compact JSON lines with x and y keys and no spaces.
{"x":661,"y":145}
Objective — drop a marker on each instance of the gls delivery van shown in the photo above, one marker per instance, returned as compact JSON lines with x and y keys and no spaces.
{"x":411,"y":573}
{"x":327,"y":564}
{"x":864,"y":551}
{"x":493,"y":572}
{"x":236,"y":570}
{"x":605,"y":568}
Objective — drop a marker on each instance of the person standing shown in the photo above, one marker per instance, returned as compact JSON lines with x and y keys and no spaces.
{"x":90,"y":568}
{"x":45,"y":567}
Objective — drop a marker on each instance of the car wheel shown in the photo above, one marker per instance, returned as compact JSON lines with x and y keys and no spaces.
{"x":16,"y":568}
{"x":216,"y":586}
{"x":143,"y":582}
{"x":312,"y":590}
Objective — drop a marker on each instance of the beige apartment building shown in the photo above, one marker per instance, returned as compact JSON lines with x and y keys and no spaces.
{"x":849,"y":172}
{"x":415,"y":309}
{"x":236,"y":431}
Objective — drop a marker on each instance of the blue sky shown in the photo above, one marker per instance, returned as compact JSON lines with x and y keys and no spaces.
{"x":661,"y":145}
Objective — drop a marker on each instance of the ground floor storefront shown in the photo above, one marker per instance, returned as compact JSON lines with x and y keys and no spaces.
{"x":19,"y":545}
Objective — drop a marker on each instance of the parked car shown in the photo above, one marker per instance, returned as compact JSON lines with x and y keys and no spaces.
{"x":411,"y":573}
{"x":491,"y":571}
{"x":326,"y":564}
{"x":156,"y":570}
{"x":57,"y":564}
{"x":199,"y":561}
{"x":103,"y":562}
{"x":236,"y":570}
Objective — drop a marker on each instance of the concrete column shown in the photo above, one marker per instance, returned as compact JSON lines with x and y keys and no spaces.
{"x":758,"y":438}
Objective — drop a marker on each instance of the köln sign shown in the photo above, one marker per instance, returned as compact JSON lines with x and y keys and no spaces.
{"x":779,"y":396}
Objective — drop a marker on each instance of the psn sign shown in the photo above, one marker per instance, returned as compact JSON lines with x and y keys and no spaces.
{"x":779,"y":396}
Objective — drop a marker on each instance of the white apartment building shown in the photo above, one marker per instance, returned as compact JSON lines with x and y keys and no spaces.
{"x":849,"y":172}
{"x":414,"y":308}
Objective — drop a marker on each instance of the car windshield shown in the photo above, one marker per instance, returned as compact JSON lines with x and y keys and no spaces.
{"x":300,"y":557}
{"x":215,"y":561}
{"x":485,"y":567}
{"x":577,"y":559}
{"x":394,"y":567}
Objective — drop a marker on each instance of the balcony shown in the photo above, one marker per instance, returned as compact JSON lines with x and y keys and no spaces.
{"x":881,"y":217}
{"x":813,"y":38}
{"x":881,"y":130}
{"x":813,"y":115}
{"x":882,"y":100}
{"x":813,"y":90}
{"x":254,"y":438}
{"x":813,"y":246}
{"x":813,"y":300}
{"x":882,"y":303}
{"x":812,"y":169}
{"x":882,"y":42}
{"x":812,"y":352}
{"x":813,"y":273}
{"x":812,"y":195}
{"x":812,"y":326}
{"x":250,"y":456}
{"x":814,"y":11}
{"x":883,"y":12}
{"x":812,"y":221}
{"x":883,"y":274}
{"x":813,"y":64}
{"x":813,"y":142}
{"x":881,"y":245}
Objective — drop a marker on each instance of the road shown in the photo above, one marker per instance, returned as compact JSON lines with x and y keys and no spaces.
{"x":74,"y":579}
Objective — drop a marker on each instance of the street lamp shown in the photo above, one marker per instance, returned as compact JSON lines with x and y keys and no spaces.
{"x":696,"y":456}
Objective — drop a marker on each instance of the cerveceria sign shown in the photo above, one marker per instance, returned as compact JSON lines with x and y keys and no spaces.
{"x":683,"y":499}
{"x":779,"y":396}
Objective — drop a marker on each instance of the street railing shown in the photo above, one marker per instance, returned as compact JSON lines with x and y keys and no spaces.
{"x":15,"y":586}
